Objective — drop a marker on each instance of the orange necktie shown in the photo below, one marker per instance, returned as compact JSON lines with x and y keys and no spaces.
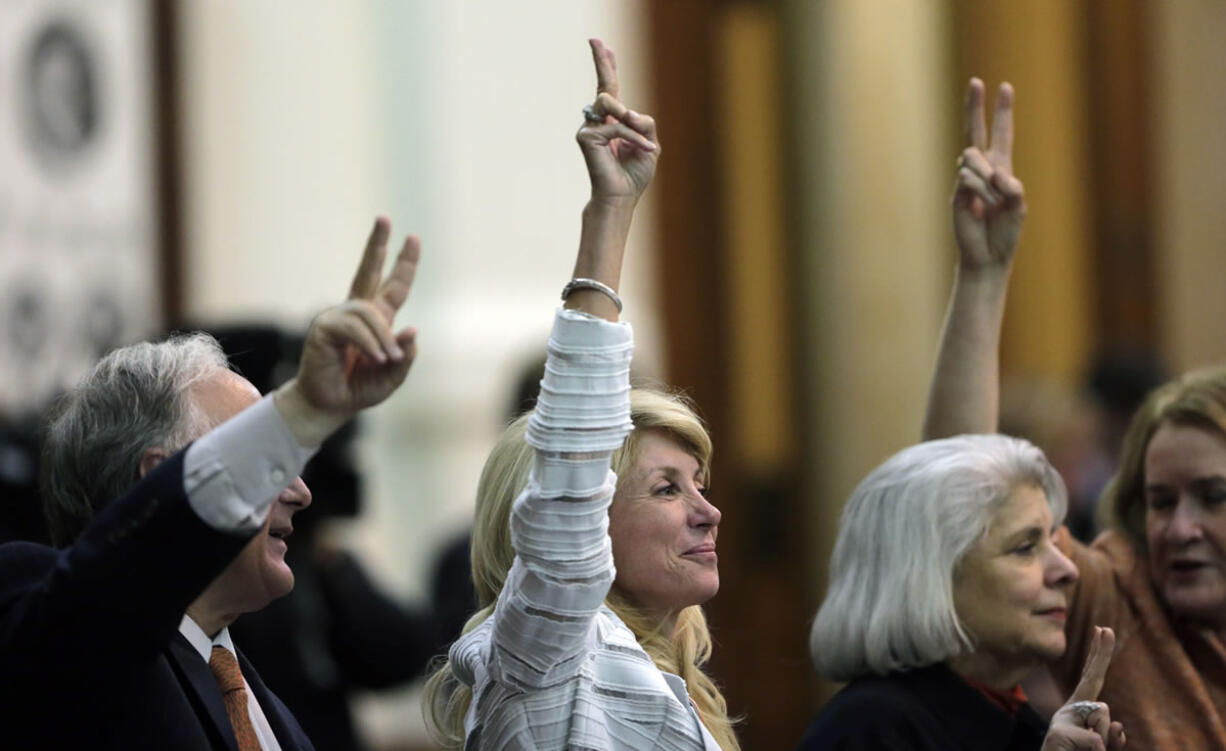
{"x":234,"y":694}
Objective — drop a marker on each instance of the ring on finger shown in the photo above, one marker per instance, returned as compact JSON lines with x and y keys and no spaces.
{"x":1084,"y":709}
{"x":591,"y":115}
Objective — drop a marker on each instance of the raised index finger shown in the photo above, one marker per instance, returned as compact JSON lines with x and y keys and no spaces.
{"x":1002,"y":127}
{"x":606,"y":69}
{"x":975,"y":129}
{"x":1095,"y":670}
{"x":370,"y":269}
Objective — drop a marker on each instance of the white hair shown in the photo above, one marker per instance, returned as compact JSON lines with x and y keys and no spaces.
{"x":890,"y":603}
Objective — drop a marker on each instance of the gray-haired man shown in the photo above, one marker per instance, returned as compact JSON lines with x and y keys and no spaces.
{"x":118,"y":639}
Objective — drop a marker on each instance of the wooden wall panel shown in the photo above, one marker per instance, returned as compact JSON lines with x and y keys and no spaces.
{"x":1039,"y":47}
{"x":725,"y":292}
{"x":1191,"y":175}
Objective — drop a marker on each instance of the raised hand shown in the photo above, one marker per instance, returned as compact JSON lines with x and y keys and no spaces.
{"x":618,"y":144}
{"x":351,"y":359}
{"x":1084,"y":722}
{"x":989,"y":202}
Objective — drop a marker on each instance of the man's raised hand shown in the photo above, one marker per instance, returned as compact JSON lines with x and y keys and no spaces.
{"x":352,"y":359}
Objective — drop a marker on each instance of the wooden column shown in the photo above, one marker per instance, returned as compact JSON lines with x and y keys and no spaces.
{"x":727,"y":293}
{"x":872,"y":168}
{"x":1039,"y":46}
{"x":1191,"y":168}
{"x":1122,"y":183}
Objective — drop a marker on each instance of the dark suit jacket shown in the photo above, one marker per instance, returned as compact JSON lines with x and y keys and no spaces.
{"x":930,"y":709}
{"x":90,"y":652}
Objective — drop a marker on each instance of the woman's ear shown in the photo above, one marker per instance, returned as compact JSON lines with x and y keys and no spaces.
{"x":150,"y":459}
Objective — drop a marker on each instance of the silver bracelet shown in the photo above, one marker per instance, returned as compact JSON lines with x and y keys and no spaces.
{"x":581,"y":283}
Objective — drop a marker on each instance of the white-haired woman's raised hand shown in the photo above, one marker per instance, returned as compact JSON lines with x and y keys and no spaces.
{"x":1084,"y":722}
{"x":618,"y":144}
{"x":989,"y":203}
{"x":352,"y":359}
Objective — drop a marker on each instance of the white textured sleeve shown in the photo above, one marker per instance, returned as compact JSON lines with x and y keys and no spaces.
{"x":559,"y":526}
{"x":233,"y":473}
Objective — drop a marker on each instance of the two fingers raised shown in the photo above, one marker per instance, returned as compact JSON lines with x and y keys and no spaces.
{"x":975,"y":130}
{"x":374,"y":299}
{"x":369,"y":282}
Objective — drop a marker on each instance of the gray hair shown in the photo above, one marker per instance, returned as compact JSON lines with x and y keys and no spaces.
{"x":136,"y":398}
{"x":905,"y":529}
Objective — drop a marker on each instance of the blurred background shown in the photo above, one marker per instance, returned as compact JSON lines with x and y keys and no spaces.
{"x":166,"y":163}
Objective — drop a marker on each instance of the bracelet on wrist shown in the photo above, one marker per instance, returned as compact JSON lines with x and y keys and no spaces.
{"x":582,"y":283}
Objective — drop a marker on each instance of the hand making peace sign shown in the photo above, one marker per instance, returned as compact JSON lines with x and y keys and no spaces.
{"x":351,"y":358}
{"x":989,"y":202}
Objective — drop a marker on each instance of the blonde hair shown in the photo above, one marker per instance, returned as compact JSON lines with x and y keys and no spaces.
{"x":684,"y":652}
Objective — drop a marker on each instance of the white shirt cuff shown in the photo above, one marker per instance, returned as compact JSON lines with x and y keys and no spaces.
{"x":233,"y":474}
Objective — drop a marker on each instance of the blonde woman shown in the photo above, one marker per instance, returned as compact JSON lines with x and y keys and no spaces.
{"x":592,"y":553}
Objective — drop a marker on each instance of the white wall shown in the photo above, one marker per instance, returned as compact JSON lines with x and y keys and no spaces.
{"x":304,"y":119}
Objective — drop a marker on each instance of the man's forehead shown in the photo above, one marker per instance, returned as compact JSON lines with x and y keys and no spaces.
{"x":223,"y":394}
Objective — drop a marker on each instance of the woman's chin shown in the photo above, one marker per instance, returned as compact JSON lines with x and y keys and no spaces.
{"x":698,"y":595}
{"x":699,"y":588}
{"x":1052,"y":648}
{"x":1195,"y":606}
{"x":709,"y":589}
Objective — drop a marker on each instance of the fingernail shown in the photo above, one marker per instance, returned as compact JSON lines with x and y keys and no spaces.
{"x":632,"y":113}
{"x":396,"y":352}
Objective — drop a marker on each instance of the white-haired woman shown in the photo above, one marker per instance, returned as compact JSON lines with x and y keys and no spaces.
{"x":563,"y":653}
{"x":1158,"y":574}
{"x":946,"y":590}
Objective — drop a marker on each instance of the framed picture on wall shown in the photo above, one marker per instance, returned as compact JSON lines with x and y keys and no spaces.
{"x":81,"y":254}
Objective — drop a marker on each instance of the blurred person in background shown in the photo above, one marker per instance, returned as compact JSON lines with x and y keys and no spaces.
{"x":1081,"y":429}
{"x":1069,"y":426}
{"x":21,"y":513}
{"x":169,"y":527}
{"x":592,"y":554}
{"x":1158,"y":575}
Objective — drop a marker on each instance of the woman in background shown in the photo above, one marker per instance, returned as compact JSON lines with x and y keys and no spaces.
{"x":1158,"y":576}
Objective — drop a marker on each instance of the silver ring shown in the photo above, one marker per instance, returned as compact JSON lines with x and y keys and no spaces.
{"x":1085,"y":708}
{"x":590,"y":115}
